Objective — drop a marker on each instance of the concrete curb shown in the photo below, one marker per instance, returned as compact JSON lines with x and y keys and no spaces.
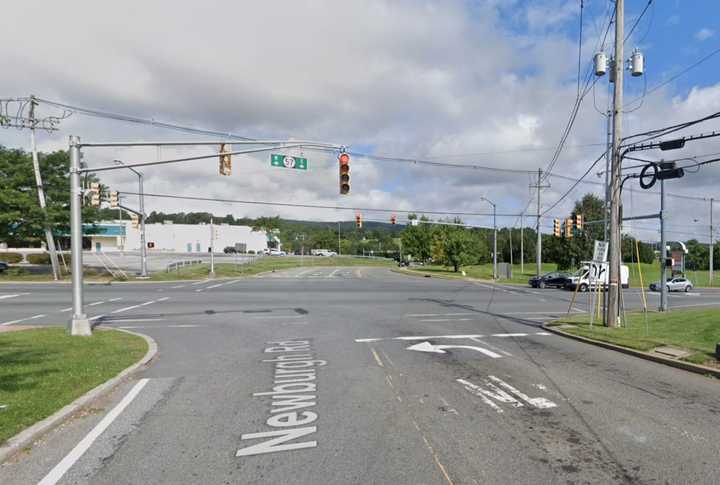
{"x":679,"y":364}
{"x":26,"y":437}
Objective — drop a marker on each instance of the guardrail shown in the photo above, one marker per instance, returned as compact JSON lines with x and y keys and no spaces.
{"x":176,"y":265}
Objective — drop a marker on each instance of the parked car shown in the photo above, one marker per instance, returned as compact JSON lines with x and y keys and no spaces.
{"x":229,"y":250}
{"x":556,"y":279}
{"x":275,"y":252}
{"x":679,"y":283}
{"x":3,"y":266}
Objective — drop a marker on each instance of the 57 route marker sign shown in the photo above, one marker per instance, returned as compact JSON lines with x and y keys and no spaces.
{"x":286,"y":161}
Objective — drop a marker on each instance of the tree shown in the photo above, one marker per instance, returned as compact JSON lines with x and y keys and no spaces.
{"x":456,"y":246}
{"x":21,"y":220}
{"x":417,"y":240}
{"x":266,"y":224}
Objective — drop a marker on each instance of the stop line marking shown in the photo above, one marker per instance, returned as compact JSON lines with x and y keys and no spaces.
{"x":470,"y":336}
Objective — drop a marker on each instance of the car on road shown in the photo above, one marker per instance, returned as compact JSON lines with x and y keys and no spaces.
{"x":556,"y":279}
{"x":679,"y":283}
{"x":3,"y":266}
{"x":275,"y":252}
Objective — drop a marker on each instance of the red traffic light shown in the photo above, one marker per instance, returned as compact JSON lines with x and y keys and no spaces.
{"x":393,"y":219}
{"x":344,"y":179}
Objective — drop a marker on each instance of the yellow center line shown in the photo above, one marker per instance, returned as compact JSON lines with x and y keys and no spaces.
{"x":377,"y":357}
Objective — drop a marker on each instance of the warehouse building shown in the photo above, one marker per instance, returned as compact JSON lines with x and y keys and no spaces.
{"x":176,"y":238}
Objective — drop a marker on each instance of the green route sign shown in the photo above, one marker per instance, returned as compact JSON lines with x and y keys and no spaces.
{"x":286,"y":161}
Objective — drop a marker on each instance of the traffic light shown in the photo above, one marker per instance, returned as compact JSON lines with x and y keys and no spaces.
{"x":358,"y":221}
{"x":578,"y":222}
{"x":95,"y":194}
{"x":114,"y":199}
{"x":556,"y":228}
{"x":344,"y":167}
{"x":393,"y":219}
{"x":151,"y":245}
{"x":225,"y":160}
{"x":568,"y":228}
{"x":135,"y":219}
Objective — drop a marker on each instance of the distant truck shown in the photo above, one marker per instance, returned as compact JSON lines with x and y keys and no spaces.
{"x":581,"y":279}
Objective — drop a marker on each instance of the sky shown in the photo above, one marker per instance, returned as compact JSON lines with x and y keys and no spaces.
{"x":486,"y":83}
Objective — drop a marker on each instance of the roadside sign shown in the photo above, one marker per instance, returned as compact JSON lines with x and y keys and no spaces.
{"x":597,"y":271}
{"x":287,"y":161}
{"x":600,"y":252}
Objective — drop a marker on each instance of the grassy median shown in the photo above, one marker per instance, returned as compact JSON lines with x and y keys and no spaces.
{"x":42,"y":370}
{"x":695,"y":330}
{"x":262,"y":265}
{"x":485,"y":271}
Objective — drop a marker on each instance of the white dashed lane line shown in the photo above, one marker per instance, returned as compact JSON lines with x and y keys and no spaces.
{"x":23,"y":319}
{"x":6,"y":297}
{"x":132,"y":307}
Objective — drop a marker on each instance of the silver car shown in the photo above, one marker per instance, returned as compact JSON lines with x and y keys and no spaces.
{"x":679,"y":283}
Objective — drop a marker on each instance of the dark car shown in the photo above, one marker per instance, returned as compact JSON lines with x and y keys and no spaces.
{"x":3,"y":266}
{"x":557,"y":280}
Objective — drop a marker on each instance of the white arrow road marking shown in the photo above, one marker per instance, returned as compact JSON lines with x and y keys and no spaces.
{"x":440,"y":349}
{"x":494,"y":392}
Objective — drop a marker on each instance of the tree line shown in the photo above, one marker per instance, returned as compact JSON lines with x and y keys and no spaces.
{"x":442,"y":241}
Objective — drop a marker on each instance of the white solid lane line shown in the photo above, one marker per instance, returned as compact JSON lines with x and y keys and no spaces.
{"x":61,"y":468}
{"x":115,"y":299}
{"x":96,"y":303}
{"x":22,"y":320}
{"x":66,"y":309}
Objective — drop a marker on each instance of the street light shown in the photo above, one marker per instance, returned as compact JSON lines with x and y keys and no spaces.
{"x":143,"y":247}
{"x":494,"y":235}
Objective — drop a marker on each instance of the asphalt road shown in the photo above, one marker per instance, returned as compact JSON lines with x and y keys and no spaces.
{"x":355,"y":375}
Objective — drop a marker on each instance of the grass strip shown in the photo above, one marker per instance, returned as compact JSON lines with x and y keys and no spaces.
{"x":697,"y":330}
{"x":44,"y":369}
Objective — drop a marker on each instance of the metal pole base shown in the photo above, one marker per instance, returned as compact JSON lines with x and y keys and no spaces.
{"x":211,"y":275}
{"x":80,"y":326}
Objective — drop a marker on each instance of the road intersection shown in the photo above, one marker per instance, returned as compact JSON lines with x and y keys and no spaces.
{"x":360,"y":375}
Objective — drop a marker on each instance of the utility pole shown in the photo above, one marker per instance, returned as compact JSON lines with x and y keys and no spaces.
{"x":79,"y":323}
{"x":618,"y":67}
{"x":212,"y":249}
{"x":663,"y":251}
{"x":41,"y":193}
{"x":338,"y":238}
{"x":538,"y":247}
{"x":522,"y":240}
{"x":143,"y":244}
{"x":712,"y":242}
{"x":495,"y":273}
{"x":608,"y":158}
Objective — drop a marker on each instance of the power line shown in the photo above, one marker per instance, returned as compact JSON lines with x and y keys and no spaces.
{"x":637,"y":20}
{"x":418,"y":161}
{"x":316,"y":206}
{"x":678,"y":74}
{"x":575,"y":184}
{"x":143,"y":121}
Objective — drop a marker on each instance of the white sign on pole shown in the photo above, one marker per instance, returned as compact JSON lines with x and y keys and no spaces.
{"x":601,"y":251}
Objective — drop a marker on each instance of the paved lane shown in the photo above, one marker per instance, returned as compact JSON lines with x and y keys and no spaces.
{"x":380,"y":378}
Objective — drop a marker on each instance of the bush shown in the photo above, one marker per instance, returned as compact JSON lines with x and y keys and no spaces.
{"x":11,"y":257}
{"x":251,"y":251}
{"x":38,"y":258}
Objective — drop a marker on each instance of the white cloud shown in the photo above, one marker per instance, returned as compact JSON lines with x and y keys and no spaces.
{"x":704,"y":34}
{"x":420,"y":79}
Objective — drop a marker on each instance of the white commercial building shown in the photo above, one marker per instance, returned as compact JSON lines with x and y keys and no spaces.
{"x":179,"y":238}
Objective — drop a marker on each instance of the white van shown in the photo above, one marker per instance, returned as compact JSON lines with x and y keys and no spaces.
{"x":581,"y":278}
